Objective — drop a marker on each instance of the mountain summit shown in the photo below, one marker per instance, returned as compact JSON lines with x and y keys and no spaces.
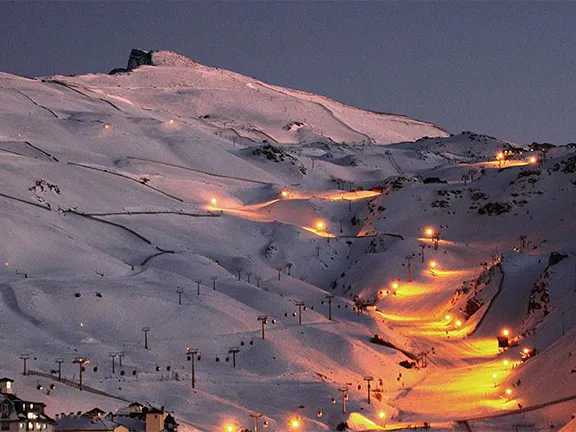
{"x":139,"y":58}
{"x":245,"y":107}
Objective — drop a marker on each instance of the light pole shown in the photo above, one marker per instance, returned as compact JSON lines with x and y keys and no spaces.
{"x":249,"y":274}
{"x":146,"y":330}
{"x":214,"y":282}
{"x":239,"y":270}
{"x":264,"y":320}
{"x":409,"y":259}
{"x":59,"y":361}
{"x":198,"y":282}
{"x":329,"y":297}
{"x":368,"y":379}
{"x":120,"y":355}
{"x":179,"y":291}
{"x":233,"y":351}
{"x":422,"y":246}
{"x":436,"y":240}
{"x":256,"y":416}
{"x":257,"y":281}
{"x":299,"y":304}
{"x":81,"y":361}
{"x":191,"y":354}
{"x":318,"y":252}
{"x":113,"y":355}
{"x":25,"y":358}
{"x":343,"y":392}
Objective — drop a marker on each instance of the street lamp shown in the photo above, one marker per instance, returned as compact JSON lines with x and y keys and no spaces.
{"x":429,"y":232}
{"x":320,"y":225}
{"x":295,"y":423}
{"x":214,"y":202}
{"x":285,"y":193}
{"x":81,"y":361}
{"x":381,"y":416}
{"x":505,"y":332}
{"x":433,"y":264}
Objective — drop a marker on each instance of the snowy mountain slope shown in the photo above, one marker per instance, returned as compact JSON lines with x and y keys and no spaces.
{"x":248,"y":107}
{"x":105,"y":197}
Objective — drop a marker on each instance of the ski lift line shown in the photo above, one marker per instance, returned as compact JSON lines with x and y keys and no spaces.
{"x":201,"y":172}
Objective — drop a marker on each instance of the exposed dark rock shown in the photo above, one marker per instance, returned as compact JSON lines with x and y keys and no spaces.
{"x":139,"y":58}
{"x":117,"y":71}
{"x":433,"y":180}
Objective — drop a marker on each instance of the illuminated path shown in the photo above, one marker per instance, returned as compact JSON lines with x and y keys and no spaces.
{"x":465,"y":373}
{"x":256,"y":212}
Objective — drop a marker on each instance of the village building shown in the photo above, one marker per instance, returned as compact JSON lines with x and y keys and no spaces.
{"x":17,"y":415}
{"x":88,"y":423}
{"x":140,"y":418}
{"x":135,"y":417}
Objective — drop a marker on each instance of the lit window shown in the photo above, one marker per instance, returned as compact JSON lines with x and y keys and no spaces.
{"x":21,"y":425}
{"x":30,"y":426}
{"x":38,"y":426}
{"x":8,"y":384}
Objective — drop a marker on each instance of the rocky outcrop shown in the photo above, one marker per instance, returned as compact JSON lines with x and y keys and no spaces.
{"x":154,"y":58}
{"x":139,"y":58}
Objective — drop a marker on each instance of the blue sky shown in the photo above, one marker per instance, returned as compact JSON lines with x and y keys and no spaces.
{"x":502,"y":68}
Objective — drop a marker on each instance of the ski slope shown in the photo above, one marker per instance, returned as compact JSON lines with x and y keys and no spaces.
{"x":116,"y":192}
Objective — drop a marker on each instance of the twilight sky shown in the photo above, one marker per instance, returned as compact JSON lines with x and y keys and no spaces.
{"x":506,"y":69}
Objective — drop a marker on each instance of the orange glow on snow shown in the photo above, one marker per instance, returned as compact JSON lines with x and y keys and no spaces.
{"x":318,"y":233}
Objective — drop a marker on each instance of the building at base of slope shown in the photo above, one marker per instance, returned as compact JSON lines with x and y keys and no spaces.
{"x":134,"y":418}
{"x":17,"y":415}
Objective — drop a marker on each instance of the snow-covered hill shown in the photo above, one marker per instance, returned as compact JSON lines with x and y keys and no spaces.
{"x":126,"y":199}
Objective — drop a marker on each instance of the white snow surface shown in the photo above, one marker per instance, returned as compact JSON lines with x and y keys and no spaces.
{"x":105,"y":189}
